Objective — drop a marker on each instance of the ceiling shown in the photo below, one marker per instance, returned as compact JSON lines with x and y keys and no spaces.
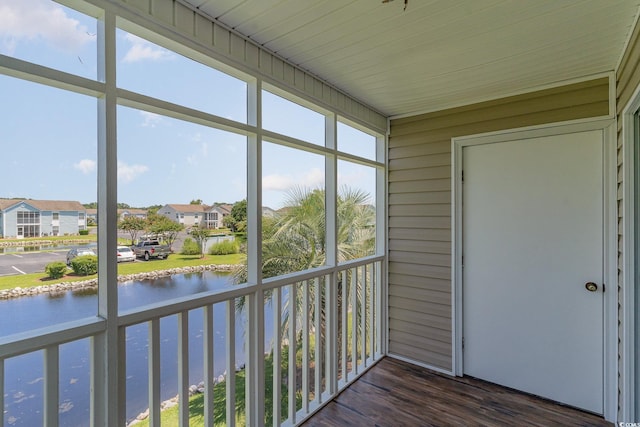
{"x":435,"y":53}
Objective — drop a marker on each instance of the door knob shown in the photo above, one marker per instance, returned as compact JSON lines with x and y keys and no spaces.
{"x":591,"y":287}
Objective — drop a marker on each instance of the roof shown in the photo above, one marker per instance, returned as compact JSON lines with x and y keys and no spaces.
{"x":189,"y":208}
{"x":433,"y":55}
{"x":44,"y":205}
{"x":133,"y":211}
{"x":224,"y":209}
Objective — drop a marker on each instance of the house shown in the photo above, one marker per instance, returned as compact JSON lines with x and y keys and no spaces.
{"x":36,"y":218}
{"x":216,"y":214}
{"x":187,"y":215}
{"x":504,"y":142}
{"x":138,"y":213}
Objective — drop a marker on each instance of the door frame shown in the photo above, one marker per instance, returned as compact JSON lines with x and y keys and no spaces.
{"x":610,"y":250}
{"x":630,"y":408}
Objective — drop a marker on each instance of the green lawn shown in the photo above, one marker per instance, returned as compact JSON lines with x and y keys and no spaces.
{"x":170,"y":417}
{"x":25,"y":241}
{"x":174,"y":261}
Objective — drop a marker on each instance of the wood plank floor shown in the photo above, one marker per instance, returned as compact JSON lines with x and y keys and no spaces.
{"x":395,"y":393}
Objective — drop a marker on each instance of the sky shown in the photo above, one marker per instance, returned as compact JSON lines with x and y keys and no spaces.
{"x":48,"y":136}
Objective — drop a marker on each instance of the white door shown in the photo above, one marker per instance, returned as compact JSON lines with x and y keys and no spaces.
{"x":532,"y":239}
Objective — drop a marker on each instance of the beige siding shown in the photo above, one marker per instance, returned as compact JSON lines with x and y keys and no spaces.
{"x":224,"y":44}
{"x":420,"y":206}
{"x":628,"y":79}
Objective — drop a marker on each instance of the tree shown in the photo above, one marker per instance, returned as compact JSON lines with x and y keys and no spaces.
{"x":296,"y":240}
{"x":196,"y":202}
{"x":237,"y":219}
{"x":200,"y":235}
{"x":161,"y":225}
{"x":132,"y":225}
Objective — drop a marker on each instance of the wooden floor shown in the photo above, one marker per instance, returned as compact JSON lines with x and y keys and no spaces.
{"x":395,"y":393}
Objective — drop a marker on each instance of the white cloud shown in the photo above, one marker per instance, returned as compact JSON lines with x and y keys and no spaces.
{"x":86,"y":166}
{"x":28,"y":20}
{"x":127,"y":173}
{"x":312,"y":179}
{"x":201,"y":153}
{"x":142,"y":50}
{"x":150,"y":119}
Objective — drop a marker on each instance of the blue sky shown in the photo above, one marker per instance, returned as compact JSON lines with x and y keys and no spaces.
{"x":48,"y":136}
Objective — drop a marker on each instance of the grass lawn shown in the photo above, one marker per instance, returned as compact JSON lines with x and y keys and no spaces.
{"x":25,"y":241}
{"x":170,"y":416}
{"x":174,"y":261}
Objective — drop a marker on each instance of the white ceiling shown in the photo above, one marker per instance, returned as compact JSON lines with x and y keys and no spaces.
{"x":436,"y":53}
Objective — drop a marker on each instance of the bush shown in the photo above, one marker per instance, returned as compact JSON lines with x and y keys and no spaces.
{"x":224,"y":247}
{"x":84,"y":232}
{"x":55,"y":270}
{"x":85,"y":265}
{"x":190,"y":247}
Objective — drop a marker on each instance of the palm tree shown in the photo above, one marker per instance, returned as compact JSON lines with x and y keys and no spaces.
{"x":295,"y":241}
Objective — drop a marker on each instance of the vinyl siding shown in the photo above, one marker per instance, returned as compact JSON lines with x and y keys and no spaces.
{"x":627,"y":80}
{"x":420,"y":206}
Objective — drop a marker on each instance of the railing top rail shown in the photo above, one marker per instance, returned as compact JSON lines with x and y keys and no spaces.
{"x":37,"y":339}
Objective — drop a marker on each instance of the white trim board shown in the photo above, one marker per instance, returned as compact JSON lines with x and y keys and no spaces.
{"x":609,"y":238}
{"x":629,"y":409}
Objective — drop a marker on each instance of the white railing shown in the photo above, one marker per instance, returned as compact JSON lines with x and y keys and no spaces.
{"x":316,"y":332}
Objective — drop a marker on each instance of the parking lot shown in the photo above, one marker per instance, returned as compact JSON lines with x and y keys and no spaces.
{"x":26,"y":263}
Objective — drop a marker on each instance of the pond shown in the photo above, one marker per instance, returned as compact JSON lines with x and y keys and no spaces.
{"x":24,"y":375}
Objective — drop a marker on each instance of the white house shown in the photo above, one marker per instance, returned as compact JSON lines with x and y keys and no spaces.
{"x":187,"y":215}
{"x":216,"y":214}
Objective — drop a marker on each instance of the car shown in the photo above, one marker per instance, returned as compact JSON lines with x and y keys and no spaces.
{"x":76,"y":252}
{"x":125,"y":253}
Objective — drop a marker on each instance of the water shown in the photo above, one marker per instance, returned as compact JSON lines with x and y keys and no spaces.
{"x":24,"y":375}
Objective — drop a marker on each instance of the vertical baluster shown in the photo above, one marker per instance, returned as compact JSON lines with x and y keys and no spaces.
{"x":122,"y":375}
{"x":231,"y":363}
{"x":305,"y":346}
{"x":2,"y":391}
{"x":331,"y":333}
{"x":292,"y":352}
{"x":363,"y":314}
{"x":345,"y":330}
{"x":183,"y":368}
{"x":277,"y":353}
{"x":51,"y":385}
{"x":372,"y":294}
{"x":209,"y":334}
{"x":318,"y":335}
{"x":354,"y":321}
{"x":154,"y":372}
{"x":381,"y":313}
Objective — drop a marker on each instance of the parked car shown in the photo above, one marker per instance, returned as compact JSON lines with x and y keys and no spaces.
{"x":76,"y":252}
{"x":125,"y":253}
{"x":151,"y":249}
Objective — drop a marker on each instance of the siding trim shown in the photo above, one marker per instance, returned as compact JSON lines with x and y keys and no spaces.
{"x":628,"y":375}
{"x":608,"y":127}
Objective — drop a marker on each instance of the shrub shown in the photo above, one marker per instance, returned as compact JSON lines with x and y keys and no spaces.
{"x":55,"y":270}
{"x":224,"y":247}
{"x":190,"y":247}
{"x":84,"y":232}
{"x":85,"y":265}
